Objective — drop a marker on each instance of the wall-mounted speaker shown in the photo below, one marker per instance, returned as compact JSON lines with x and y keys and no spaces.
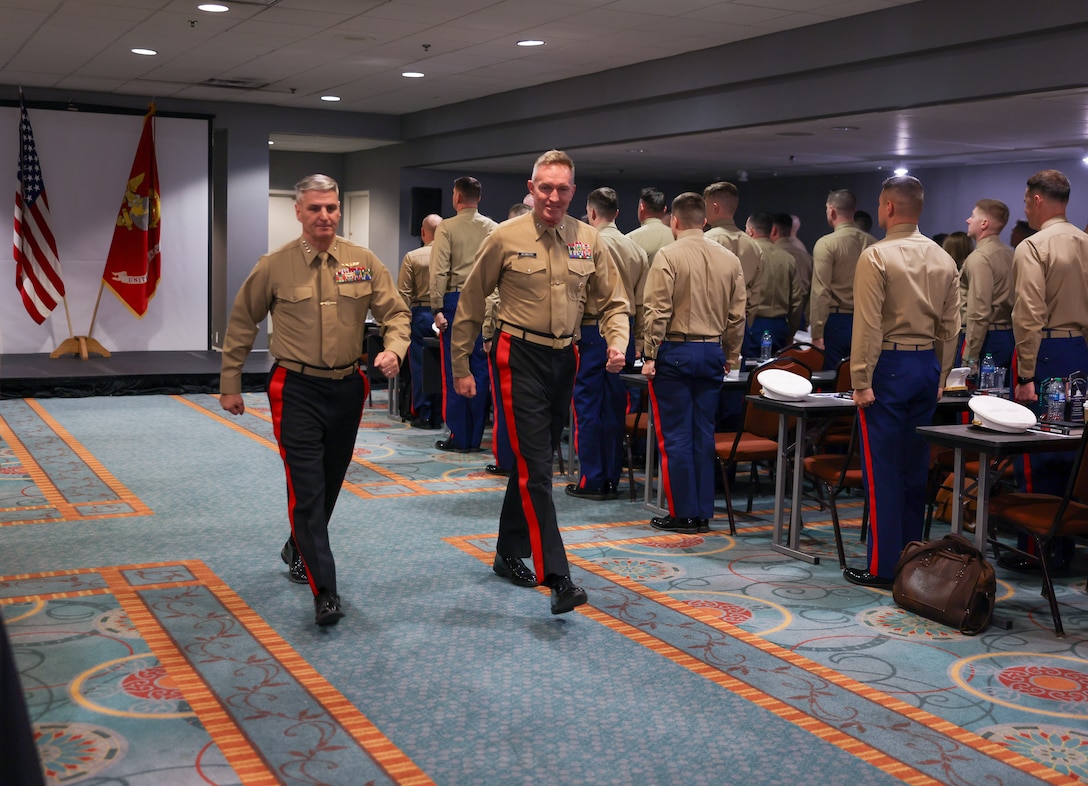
{"x":424,"y":202}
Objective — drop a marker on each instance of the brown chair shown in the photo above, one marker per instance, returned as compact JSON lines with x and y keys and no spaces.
{"x":1044,"y":517}
{"x":811,"y":356}
{"x":836,"y":433}
{"x":757,"y":439}
{"x":837,"y":472}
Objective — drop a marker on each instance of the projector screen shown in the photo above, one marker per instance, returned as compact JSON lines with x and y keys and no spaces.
{"x":85,"y":159}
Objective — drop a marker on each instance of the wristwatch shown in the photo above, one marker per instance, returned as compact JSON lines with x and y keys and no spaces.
{"x":1024,"y":380}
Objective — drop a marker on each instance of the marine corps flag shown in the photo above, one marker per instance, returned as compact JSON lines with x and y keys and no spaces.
{"x":132,"y":267}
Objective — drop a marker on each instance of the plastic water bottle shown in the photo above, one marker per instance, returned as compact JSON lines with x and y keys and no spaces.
{"x":1055,"y":400}
{"x":765,"y":346}
{"x":986,"y":375}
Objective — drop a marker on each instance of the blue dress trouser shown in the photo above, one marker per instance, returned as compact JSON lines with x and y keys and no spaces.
{"x":684,"y":397}
{"x":778,"y":327}
{"x":838,"y":333}
{"x":600,"y":403}
{"x":895,"y":458}
{"x":1048,"y":473}
{"x":424,"y":407}
{"x":465,"y":417}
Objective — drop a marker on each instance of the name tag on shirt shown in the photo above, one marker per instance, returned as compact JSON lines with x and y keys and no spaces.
{"x":523,"y":254}
{"x":579,"y":250}
{"x":350,"y":275}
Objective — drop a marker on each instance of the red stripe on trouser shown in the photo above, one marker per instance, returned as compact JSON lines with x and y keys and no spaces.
{"x":867,"y":454}
{"x":495,"y":403}
{"x":661,"y":450}
{"x":442,"y":340}
{"x":506,"y":383}
{"x":275,"y":400}
{"x":575,"y":436}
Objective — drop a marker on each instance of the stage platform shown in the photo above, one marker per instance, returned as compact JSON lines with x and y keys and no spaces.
{"x":122,"y":374}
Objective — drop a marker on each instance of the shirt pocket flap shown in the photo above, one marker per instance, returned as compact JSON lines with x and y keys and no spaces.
{"x":295,"y":294}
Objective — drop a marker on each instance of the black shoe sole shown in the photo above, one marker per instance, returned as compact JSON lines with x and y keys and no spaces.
{"x":329,"y":618}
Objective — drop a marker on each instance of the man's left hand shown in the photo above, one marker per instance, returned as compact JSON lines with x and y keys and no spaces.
{"x":616,"y":361}
{"x":864,"y":397}
{"x":649,"y":368}
{"x":388,"y":363}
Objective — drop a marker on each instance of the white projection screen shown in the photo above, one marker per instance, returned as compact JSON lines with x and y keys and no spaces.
{"x":85,"y":158}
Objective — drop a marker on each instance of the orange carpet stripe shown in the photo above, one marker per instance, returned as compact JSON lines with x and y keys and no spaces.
{"x":118,"y":488}
{"x":228,"y":736}
{"x":850,"y":744}
{"x":233,"y":744}
{"x":377,"y":745}
{"x":51,"y":493}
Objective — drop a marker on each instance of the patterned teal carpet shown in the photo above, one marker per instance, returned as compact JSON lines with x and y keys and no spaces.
{"x":160,"y":643}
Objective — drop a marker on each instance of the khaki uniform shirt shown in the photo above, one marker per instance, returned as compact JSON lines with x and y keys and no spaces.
{"x":545,"y":276}
{"x":695,"y":288}
{"x":905,"y":291}
{"x":1050,"y":277}
{"x":318,"y":310}
{"x":414,"y":279}
{"x":653,"y":235}
{"x":780,"y":295}
{"x":456,"y":242}
{"x":633,"y":264}
{"x":803,"y":262}
{"x":985,"y":292}
{"x":833,"y":260}
{"x":491,"y":311}
{"x":737,"y":240}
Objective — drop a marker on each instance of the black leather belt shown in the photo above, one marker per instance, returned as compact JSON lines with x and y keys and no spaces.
{"x":338,"y":372}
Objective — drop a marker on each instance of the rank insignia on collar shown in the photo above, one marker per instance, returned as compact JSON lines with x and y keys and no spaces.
{"x":350,"y":275}
{"x":579,"y":250}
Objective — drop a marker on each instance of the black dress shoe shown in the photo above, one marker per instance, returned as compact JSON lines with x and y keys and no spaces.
{"x":426,"y":423}
{"x":296,"y":569}
{"x":675,"y":524}
{"x":1018,"y":563}
{"x":597,"y":495}
{"x":495,"y":469}
{"x":565,"y":595}
{"x":327,"y":608}
{"x":703,"y":524}
{"x":864,"y":578}
{"x":514,"y":569}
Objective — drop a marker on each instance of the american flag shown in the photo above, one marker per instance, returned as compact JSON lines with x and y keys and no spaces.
{"x":37,"y":268}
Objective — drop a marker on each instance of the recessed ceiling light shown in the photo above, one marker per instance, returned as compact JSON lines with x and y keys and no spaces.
{"x":213,"y":8}
{"x":413,"y":74}
{"x":531,"y":42}
{"x":844,"y":128}
{"x":271,"y":142}
{"x":147,"y":52}
{"x":330,"y":98}
{"x":636,"y":150}
{"x":901,"y":171}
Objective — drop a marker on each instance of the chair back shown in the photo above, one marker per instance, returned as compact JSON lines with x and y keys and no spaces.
{"x":762,"y":422}
{"x":842,"y":376}
{"x":811,"y":356}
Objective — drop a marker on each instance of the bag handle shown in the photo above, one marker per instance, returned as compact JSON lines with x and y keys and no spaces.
{"x":983,"y":618}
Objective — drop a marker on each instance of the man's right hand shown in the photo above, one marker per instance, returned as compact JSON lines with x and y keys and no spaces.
{"x":465,"y":386}
{"x":818,"y":343}
{"x":232,"y":403}
{"x":440,"y":321}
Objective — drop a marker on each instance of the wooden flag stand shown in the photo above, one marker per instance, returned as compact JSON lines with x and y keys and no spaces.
{"x":84,"y":346}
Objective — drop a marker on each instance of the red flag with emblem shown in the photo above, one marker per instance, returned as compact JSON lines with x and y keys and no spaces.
{"x":132,"y":267}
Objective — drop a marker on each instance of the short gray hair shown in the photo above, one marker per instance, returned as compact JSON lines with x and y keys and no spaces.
{"x":316,"y":183}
